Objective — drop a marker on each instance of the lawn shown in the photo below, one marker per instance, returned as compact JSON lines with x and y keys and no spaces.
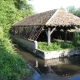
{"x":55,"y":46}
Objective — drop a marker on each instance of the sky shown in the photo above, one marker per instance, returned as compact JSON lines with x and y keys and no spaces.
{"x":46,"y":5}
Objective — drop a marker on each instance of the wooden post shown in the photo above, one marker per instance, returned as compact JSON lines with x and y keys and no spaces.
{"x":48,"y":33}
{"x":36,"y":63}
{"x":48,"y":36}
{"x":65,"y":35}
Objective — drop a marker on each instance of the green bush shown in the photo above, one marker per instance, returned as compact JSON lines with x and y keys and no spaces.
{"x":66,"y":45}
{"x":12,"y":66}
{"x":51,"y":47}
{"x":76,"y":39}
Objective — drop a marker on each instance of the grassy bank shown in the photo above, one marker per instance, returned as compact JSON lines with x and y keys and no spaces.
{"x":12,"y":66}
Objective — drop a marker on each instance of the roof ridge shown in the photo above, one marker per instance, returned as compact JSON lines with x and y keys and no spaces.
{"x":52,"y":16}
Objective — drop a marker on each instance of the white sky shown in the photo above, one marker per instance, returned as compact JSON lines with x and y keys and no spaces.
{"x":45,"y":5}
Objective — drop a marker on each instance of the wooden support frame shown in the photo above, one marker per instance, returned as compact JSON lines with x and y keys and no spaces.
{"x":52,"y":30}
{"x":48,"y":33}
{"x":76,"y":27}
{"x":65,"y":31}
{"x":49,"y":36}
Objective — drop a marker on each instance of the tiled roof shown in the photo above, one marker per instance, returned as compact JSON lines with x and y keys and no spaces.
{"x":56,"y":17}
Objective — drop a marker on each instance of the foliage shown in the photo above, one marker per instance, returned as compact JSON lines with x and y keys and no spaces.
{"x":54,"y":46}
{"x":12,"y":11}
{"x":76,"y":39}
{"x":12,"y":66}
{"x":65,"y":45}
{"x":73,"y":10}
{"x":51,"y":47}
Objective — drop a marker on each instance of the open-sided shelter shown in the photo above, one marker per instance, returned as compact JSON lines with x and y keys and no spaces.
{"x":32,"y":26}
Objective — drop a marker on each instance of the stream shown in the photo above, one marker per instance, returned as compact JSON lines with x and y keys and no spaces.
{"x":64,"y":67}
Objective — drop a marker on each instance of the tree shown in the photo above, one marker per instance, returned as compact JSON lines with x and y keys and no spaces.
{"x":12,"y":66}
{"x":73,"y":10}
{"x":12,"y":11}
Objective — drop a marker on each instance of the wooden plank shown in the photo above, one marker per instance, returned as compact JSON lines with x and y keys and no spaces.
{"x":33,"y":32}
{"x":36,"y":33}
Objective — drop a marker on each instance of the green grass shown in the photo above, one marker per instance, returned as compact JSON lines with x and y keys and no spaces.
{"x":59,"y":45}
{"x":55,"y":46}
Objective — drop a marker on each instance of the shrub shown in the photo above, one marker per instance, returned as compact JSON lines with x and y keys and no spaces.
{"x":76,"y":39}
{"x":66,"y":45}
{"x":54,"y":46}
{"x":51,"y":47}
{"x":12,"y":66}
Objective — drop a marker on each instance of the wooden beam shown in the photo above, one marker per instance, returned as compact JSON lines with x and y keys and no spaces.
{"x":52,"y":30}
{"x":76,"y":27}
{"x":49,"y":36}
{"x":65,"y":31}
{"x":48,"y":33}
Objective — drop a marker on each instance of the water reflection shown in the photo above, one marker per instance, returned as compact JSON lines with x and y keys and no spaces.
{"x":75,"y":78}
{"x":65,"y":67}
{"x":34,"y":76}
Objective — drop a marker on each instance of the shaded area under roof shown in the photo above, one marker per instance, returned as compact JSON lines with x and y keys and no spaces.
{"x":56,"y":17}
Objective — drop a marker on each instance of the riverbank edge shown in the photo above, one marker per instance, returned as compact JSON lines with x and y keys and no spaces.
{"x":32,"y":46}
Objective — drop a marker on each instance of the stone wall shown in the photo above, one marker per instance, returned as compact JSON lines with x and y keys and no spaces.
{"x":26,"y":43}
{"x":33,"y":47}
{"x":58,"y":53}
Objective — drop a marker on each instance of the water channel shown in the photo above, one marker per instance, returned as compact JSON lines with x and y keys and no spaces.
{"x":64,"y":67}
